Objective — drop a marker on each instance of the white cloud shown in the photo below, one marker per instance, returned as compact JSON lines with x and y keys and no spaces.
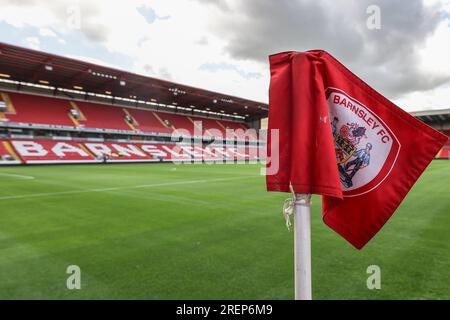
{"x":174,"y":48}
{"x":436,"y":52}
{"x":179,"y":47}
{"x":45,"y":32}
{"x":182,"y":44}
{"x":437,"y":98}
{"x":33,"y":43}
{"x":20,"y":16}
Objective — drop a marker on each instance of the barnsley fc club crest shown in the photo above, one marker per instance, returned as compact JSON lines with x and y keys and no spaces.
{"x":365,"y":148}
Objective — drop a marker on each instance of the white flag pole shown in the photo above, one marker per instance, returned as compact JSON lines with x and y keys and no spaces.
{"x":302,"y":246}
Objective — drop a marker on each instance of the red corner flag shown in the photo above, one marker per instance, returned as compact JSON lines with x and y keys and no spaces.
{"x":340,"y":138}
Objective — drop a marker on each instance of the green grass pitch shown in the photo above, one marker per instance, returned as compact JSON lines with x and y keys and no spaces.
{"x":164,"y":231}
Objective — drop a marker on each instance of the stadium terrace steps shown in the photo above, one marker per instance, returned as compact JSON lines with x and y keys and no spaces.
{"x":37,"y":151}
{"x":211,"y":126}
{"x":177,"y":122}
{"x":147,"y":121}
{"x":7,"y":154}
{"x":6,"y":102}
{"x":238,"y":128}
{"x":81,"y":117}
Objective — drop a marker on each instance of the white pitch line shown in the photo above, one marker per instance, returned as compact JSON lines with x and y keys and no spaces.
{"x":49,"y":194}
{"x":17,"y":176}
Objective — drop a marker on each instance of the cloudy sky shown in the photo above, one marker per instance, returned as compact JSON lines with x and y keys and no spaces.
{"x":223,"y":45}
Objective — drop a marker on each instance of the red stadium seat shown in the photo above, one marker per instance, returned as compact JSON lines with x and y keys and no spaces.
{"x":177,"y":121}
{"x":147,"y":121}
{"x":25,"y":108}
{"x":39,"y":110}
{"x":240,"y":130}
{"x":103,"y":116}
{"x":210,"y":127}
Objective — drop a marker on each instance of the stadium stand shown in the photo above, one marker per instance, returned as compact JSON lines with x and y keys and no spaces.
{"x":36,"y":109}
{"x":55,"y":109}
{"x":86,"y":113}
{"x":33,"y":109}
{"x":440,"y":120}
